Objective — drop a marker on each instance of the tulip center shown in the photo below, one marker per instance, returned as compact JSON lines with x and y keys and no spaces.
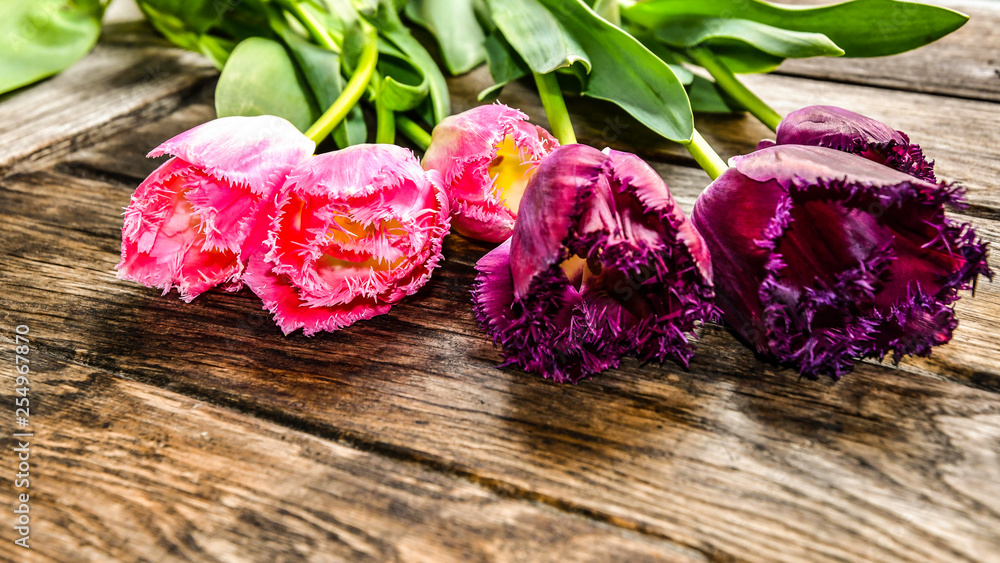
{"x":356,"y":245}
{"x":510,"y":173}
{"x":579,"y":270}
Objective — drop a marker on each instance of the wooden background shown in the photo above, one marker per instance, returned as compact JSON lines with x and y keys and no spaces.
{"x":167,"y":431}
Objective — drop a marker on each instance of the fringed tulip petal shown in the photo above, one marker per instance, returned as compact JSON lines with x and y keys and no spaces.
{"x":355,"y":232}
{"x":486,"y":156}
{"x":193,"y":223}
{"x":843,"y":130}
{"x":602,"y":264}
{"x":822,"y":257}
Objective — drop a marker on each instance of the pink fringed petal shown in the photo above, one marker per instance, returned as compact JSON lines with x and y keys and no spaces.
{"x":192,"y":223}
{"x":253,"y":152}
{"x":462,"y":150}
{"x":354,"y":231}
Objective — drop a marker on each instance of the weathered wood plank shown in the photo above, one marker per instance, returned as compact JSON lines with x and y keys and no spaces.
{"x":733,"y":458}
{"x":961,"y":64}
{"x":128,"y":79}
{"x":122,"y":471}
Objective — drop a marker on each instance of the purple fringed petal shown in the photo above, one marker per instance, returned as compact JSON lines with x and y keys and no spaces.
{"x":843,"y":130}
{"x":602,"y":264}
{"x":832,"y":257}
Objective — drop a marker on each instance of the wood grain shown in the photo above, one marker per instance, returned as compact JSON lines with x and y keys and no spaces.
{"x":130,"y":77}
{"x":399,"y":437}
{"x":128,"y":472}
{"x":733,"y":459}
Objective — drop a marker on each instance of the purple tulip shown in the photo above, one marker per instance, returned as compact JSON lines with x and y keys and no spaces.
{"x":602,"y":264}
{"x":822,"y":257}
{"x":843,"y":130}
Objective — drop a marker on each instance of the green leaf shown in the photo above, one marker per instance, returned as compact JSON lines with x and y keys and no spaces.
{"x":39,"y":38}
{"x":260,"y":78}
{"x":551,"y":34}
{"x":453,"y":23}
{"x":391,"y":28}
{"x":694,"y":31}
{"x":707,"y":98}
{"x":404,"y":87}
{"x":862,"y":28}
{"x":211,"y":27}
{"x":506,"y":65}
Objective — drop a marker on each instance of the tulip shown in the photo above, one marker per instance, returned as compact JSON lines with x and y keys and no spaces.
{"x":822,"y":257}
{"x":354,"y":232}
{"x":843,"y":130}
{"x":486,"y":156}
{"x":602,"y":264}
{"x":192,"y":224}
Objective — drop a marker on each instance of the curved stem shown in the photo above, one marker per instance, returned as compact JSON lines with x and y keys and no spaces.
{"x":352,"y":92}
{"x":385,"y":119}
{"x":314,"y":27}
{"x":731,"y":85}
{"x":707,"y":158}
{"x":414,"y":132}
{"x":555,"y":108}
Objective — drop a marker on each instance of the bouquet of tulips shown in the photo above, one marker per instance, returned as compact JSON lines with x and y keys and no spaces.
{"x":828,"y":244}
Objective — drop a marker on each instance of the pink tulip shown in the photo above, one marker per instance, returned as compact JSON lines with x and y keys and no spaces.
{"x":486,"y":157}
{"x":355,"y":232}
{"x":192,"y":224}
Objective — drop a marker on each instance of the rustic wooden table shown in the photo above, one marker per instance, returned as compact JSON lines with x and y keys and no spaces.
{"x":166,"y":431}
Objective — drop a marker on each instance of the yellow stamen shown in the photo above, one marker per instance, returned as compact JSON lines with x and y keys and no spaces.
{"x":510,"y":173}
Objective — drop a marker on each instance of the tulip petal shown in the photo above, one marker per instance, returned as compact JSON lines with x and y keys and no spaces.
{"x":853,"y":259}
{"x":602,"y":264}
{"x":252,"y":152}
{"x":463,"y":149}
{"x":354,"y":232}
{"x":846,"y":131}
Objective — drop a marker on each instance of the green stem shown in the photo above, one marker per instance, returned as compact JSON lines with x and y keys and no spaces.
{"x":731,"y":85}
{"x":385,"y":118}
{"x":414,"y":132}
{"x":555,"y":108}
{"x":707,"y":158}
{"x":315,"y":28}
{"x":352,"y":92}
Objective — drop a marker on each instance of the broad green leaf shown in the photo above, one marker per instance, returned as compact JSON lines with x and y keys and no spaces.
{"x":210,"y":27}
{"x":694,"y":31}
{"x":453,"y":23}
{"x":261,"y":78}
{"x":862,"y":28}
{"x":553,"y":34}
{"x":39,"y":38}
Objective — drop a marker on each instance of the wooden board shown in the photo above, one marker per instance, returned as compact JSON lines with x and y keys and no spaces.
{"x":400,"y":439}
{"x":127,"y":471}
